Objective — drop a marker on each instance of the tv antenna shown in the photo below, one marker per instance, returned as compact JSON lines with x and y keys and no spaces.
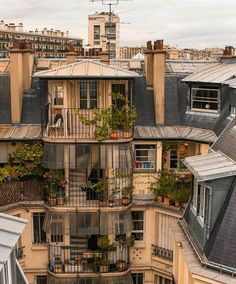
{"x":110,"y":3}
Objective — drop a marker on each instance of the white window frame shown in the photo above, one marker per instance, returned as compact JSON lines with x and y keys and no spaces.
{"x":139,"y":231}
{"x":150,"y":163}
{"x":206,"y":100}
{"x":60,"y":94}
{"x":89,"y":90}
{"x":198,"y":205}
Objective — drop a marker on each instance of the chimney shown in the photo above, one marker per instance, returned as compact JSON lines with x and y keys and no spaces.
{"x":229,"y":51}
{"x":149,"y":64}
{"x":71,"y":55}
{"x":104,"y":57}
{"x":21,"y":66}
{"x":159,"y":56}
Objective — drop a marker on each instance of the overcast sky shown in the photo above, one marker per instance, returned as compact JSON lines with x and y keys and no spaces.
{"x":186,"y":23}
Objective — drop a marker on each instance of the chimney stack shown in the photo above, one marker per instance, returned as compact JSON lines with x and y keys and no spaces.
{"x":229,"y":51}
{"x":149,"y":64}
{"x":104,"y":57}
{"x":71,"y":55}
{"x":21,"y":66}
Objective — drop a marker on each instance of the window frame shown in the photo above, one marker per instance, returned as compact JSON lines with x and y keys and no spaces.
{"x":141,"y":231}
{"x":86,"y":90}
{"x":136,"y":276}
{"x":42,"y":235}
{"x":55,"y":93}
{"x":205,"y":100}
{"x":151,"y":163}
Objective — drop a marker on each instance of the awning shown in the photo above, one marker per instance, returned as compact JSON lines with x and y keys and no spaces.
{"x":211,"y":166}
{"x":175,"y":132}
{"x":20,"y":132}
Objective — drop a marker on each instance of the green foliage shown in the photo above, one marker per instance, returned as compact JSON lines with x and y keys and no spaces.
{"x":23,"y":163}
{"x":101,"y":189}
{"x":54,"y":182}
{"x":105,"y":245}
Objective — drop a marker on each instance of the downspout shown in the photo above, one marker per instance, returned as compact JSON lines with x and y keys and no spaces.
{"x":208,"y":227}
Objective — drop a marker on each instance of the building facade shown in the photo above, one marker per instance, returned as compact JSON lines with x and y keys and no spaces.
{"x":104,"y":32}
{"x":47,"y":43}
{"x":129,"y":52}
{"x":96,"y":212}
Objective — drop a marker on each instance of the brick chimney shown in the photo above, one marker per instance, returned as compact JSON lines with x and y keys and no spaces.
{"x":229,"y":51}
{"x":104,"y":57}
{"x":71,"y":55}
{"x":148,"y":60}
{"x":21,"y":66}
{"x":159,"y":56}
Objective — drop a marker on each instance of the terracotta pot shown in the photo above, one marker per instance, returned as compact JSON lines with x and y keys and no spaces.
{"x":125,"y":201}
{"x":52,"y":201}
{"x":60,"y":200}
{"x":121,"y":265}
{"x":166,"y":201}
{"x":159,"y":199}
{"x":127,"y":134}
{"x":177,"y":203}
{"x":103,"y":268}
{"x":102,"y":203}
{"x":114,"y":135}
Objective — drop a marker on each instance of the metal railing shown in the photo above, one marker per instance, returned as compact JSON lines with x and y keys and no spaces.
{"x":70,"y":259}
{"x":162,"y":252}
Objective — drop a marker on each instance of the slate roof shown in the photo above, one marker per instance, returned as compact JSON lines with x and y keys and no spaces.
{"x":184,"y":66}
{"x":5,"y":99}
{"x":86,"y":68}
{"x":10,"y":230}
{"x":226,"y":143}
{"x":218,"y":72}
{"x":176,"y":132}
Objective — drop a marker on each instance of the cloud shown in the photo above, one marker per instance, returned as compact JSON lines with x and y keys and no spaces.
{"x":188,"y":23}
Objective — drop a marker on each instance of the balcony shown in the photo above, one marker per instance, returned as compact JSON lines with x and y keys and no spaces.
{"x":162,"y":252}
{"x":69,"y":259}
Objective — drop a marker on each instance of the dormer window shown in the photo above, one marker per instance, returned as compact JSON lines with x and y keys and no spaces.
{"x":204,"y":99}
{"x":199,"y":202}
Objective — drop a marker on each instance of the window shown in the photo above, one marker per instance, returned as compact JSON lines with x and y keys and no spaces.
{"x":88,"y":94}
{"x":39,"y":236}
{"x":58,"y":98}
{"x":96,"y":32}
{"x":205,"y":99}
{"x":110,"y":31}
{"x":41,"y":279}
{"x":145,"y":157}
{"x":199,"y":201}
{"x":162,"y":280}
{"x":233,"y":110}
{"x":137,"y":278}
{"x":173,"y":157}
{"x":138,"y":225}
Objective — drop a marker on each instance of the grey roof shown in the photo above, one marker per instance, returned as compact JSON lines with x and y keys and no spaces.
{"x":231,"y":83}
{"x":174,"y":132}
{"x":226,"y":141}
{"x":10,"y":230}
{"x":20,"y":132}
{"x":86,"y":68}
{"x":218,"y":72}
{"x":184,"y":66}
{"x":211,"y":166}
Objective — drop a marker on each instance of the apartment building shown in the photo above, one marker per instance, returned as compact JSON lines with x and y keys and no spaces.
{"x":45,"y":43}
{"x":104,"y":32}
{"x":92,"y":215}
{"x":127,"y":52}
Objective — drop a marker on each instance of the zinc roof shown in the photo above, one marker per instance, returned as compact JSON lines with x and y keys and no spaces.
{"x":211,"y":166}
{"x":20,"y":132}
{"x":174,"y":132}
{"x":86,"y":68}
{"x":217,"y":72}
{"x":10,"y":230}
{"x":183,"y":66}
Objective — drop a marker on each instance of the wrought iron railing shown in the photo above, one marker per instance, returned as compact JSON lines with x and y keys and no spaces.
{"x":162,"y":252}
{"x":70,"y":259}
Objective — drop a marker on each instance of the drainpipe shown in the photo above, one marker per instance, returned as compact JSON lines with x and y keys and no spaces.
{"x":208,"y":227}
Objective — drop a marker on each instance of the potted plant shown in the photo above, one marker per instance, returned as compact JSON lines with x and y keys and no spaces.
{"x":127,"y":192}
{"x":60,"y":196}
{"x":128,"y":119}
{"x":105,"y":247}
{"x":114,"y":122}
{"x":52,"y":198}
{"x":156,"y":189}
{"x":58,"y":265}
{"x":102,"y":191}
{"x":183,"y":195}
{"x":123,"y":242}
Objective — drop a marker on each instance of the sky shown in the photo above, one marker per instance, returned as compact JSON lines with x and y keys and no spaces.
{"x":182,"y":23}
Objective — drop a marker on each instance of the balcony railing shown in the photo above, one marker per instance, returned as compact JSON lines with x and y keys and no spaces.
{"x":162,"y":252}
{"x":70,"y":259}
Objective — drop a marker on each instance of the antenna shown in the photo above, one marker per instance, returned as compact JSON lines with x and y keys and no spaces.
{"x":109,"y":3}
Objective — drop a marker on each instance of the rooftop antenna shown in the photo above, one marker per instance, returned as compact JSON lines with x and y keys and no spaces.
{"x":110,"y":3}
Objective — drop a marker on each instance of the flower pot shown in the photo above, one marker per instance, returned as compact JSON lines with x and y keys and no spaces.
{"x":98,"y":255}
{"x":166,"y":201}
{"x":159,"y":199}
{"x":127,"y":134}
{"x":103,"y":268}
{"x":52,"y":201}
{"x":114,"y":135}
{"x":121,"y":265}
{"x":125,"y":201}
{"x":102,"y":203}
{"x":177,"y":203}
{"x":111,"y":203}
{"x":60,"y":200}
{"x":87,"y":255}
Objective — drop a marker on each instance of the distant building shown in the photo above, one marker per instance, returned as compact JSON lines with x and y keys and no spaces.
{"x":104,"y":32}
{"x":47,"y":43}
{"x":127,"y":52}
